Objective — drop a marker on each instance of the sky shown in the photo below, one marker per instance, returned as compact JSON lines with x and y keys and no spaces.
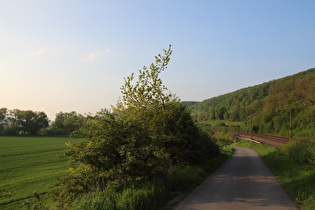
{"x":73,"y":55}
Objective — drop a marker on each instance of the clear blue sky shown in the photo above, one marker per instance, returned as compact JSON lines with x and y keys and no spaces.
{"x":72,"y":55}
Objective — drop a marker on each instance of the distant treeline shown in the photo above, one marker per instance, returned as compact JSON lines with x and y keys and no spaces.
{"x":271,"y":108}
{"x":20,"y":122}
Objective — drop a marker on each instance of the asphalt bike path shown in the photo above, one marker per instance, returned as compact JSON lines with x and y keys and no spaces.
{"x":242,"y":182}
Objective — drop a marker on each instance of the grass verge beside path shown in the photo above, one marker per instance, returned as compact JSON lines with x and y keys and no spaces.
{"x":297,"y":179}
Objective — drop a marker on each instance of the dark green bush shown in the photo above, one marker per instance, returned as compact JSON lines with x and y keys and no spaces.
{"x":301,"y":153}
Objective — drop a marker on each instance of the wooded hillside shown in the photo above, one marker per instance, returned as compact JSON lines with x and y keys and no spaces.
{"x":268,"y":108}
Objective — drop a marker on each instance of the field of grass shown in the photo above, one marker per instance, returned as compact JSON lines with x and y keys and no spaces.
{"x":28,"y":165}
{"x":31,"y":164}
{"x":297,"y":178}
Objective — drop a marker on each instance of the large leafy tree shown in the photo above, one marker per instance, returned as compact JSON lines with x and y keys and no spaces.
{"x":31,"y":122}
{"x":145,"y":135}
{"x":148,"y":101}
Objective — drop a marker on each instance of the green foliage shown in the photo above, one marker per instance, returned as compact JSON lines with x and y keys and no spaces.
{"x":3,"y":113}
{"x":115,"y":149}
{"x":31,"y":122}
{"x":185,"y":177}
{"x":65,"y":123}
{"x":168,"y":121}
{"x":148,"y":92}
{"x":269,"y":107}
{"x":148,"y":196}
{"x":234,"y":106}
{"x":155,"y":193}
{"x":13,"y":122}
{"x":29,"y":165}
{"x":304,"y":122}
{"x":147,"y":134}
{"x":16,"y":122}
{"x":300,"y":153}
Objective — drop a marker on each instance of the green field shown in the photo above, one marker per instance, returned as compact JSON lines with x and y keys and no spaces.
{"x":28,"y":165}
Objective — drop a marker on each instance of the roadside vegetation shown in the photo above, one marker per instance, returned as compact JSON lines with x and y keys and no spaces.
{"x":293,"y":164}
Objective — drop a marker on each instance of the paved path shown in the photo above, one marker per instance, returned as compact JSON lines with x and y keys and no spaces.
{"x":242,"y":182}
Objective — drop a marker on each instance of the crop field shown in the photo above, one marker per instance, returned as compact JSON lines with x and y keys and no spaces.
{"x":28,"y":165}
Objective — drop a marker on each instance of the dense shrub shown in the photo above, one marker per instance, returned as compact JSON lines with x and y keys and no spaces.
{"x":155,"y":193}
{"x":148,"y":134}
{"x":299,"y":152}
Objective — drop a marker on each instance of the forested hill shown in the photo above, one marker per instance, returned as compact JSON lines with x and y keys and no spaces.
{"x":268,"y":106}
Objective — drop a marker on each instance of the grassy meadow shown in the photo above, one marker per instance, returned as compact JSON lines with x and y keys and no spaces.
{"x":29,"y":165}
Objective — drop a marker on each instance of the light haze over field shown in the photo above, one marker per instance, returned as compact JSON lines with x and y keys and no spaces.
{"x":71,"y":55}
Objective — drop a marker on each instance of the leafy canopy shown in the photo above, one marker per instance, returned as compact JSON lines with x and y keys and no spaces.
{"x":148,"y":92}
{"x":146,"y":135}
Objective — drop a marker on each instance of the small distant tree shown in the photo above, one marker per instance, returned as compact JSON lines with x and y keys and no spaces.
{"x":66,"y":122}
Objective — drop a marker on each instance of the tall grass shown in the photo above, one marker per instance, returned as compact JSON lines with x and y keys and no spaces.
{"x":149,"y":196}
{"x":293,"y":167}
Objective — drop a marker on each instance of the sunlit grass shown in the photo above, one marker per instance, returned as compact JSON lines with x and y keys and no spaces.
{"x":28,"y":165}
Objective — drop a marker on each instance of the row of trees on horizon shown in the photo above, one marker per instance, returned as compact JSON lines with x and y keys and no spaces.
{"x":28,"y":122}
